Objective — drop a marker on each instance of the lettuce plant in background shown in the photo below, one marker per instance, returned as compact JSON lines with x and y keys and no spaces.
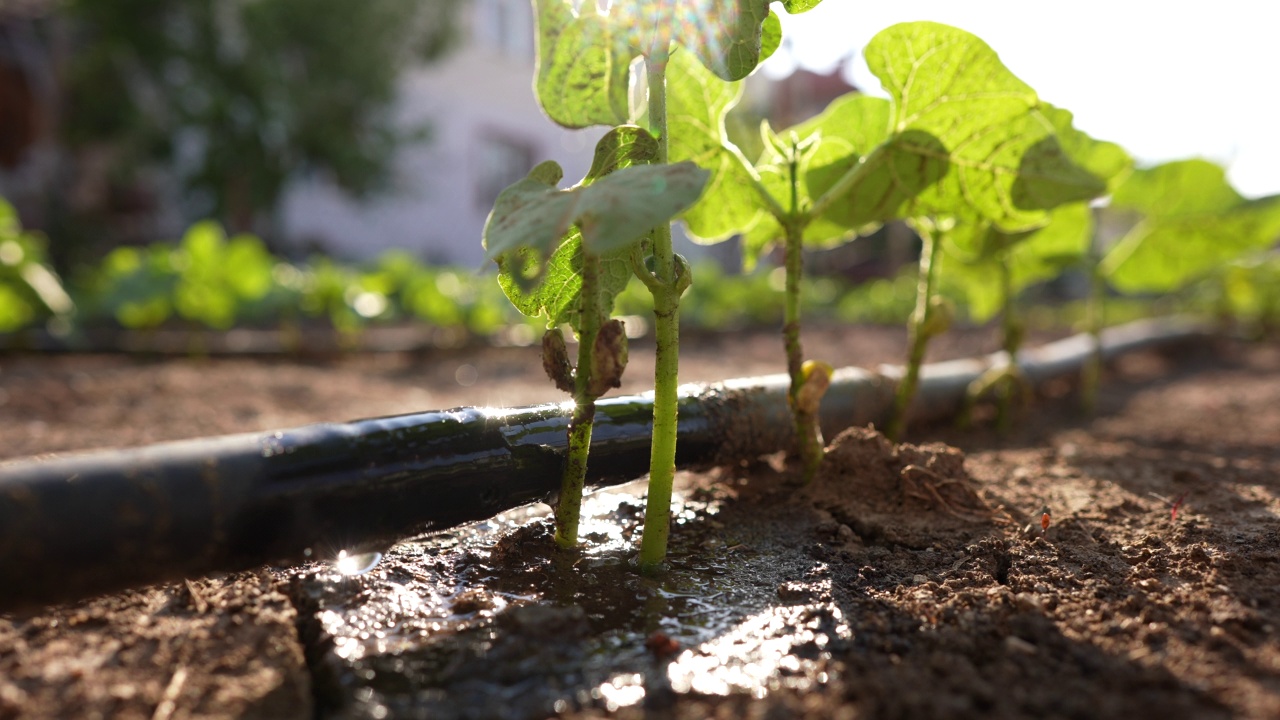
{"x":29,"y":288}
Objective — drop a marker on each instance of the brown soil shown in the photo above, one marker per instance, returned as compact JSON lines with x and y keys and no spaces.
{"x":905,"y":582}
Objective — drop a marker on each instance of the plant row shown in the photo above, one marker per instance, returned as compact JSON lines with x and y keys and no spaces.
{"x":1000,"y":186}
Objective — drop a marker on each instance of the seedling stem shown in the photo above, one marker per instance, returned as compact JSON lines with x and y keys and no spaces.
{"x":919,"y":329}
{"x":569,"y":506}
{"x":673,"y":277}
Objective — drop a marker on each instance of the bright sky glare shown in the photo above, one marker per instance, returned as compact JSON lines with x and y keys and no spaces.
{"x":1165,"y":80}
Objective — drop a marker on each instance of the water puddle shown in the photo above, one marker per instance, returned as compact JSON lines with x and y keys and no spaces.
{"x":489,"y":620}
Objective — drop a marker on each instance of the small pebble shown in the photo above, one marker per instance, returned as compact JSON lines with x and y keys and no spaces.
{"x":1015,"y":644}
{"x":1028,"y":602}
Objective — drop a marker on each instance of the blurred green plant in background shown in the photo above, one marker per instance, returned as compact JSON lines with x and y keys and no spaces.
{"x":239,"y":96}
{"x":30,"y":291}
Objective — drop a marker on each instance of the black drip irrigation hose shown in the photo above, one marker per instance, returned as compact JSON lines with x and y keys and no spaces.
{"x":77,"y":525}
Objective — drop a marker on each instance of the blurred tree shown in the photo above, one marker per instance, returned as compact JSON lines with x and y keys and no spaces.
{"x":237,"y":95}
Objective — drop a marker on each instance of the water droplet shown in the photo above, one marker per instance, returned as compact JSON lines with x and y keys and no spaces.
{"x":351,"y":564}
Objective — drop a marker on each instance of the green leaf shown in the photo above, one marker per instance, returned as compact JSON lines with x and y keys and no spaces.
{"x":972,"y":264}
{"x":852,"y":127}
{"x":616,"y":205}
{"x":584,"y":57}
{"x":770,"y":36}
{"x":697,"y":103}
{"x":798,"y":6}
{"x":612,"y":211}
{"x":1044,"y":253}
{"x":556,"y":296}
{"x":1106,"y":161}
{"x":966,"y":135}
{"x":584,"y":66}
{"x":1173,"y":189}
{"x":1165,"y":253}
{"x":248,"y":267}
{"x":725,"y":35}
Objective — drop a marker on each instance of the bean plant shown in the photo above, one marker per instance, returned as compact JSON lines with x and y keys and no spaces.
{"x":1190,"y":221}
{"x":991,"y":266}
{"x":960,"y":145}
{"x":565,"y":254}
{"x":585,"y":59}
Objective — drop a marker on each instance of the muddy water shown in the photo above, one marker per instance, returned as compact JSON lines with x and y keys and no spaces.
{"x":490,"y":620}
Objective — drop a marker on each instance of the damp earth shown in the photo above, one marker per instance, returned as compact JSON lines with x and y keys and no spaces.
{"x":1120,"y":565}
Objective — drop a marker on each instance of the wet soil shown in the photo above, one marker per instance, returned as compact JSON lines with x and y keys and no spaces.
{"x":1123,"y":565}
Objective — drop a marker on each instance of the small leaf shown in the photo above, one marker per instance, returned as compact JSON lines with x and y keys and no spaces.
{"x":555,"y":360}
{"x":555,"y":296}
{"x":770,"y":36}
{"x":798,"y":6}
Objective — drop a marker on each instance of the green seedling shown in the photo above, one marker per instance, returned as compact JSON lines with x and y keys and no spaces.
{"x":996,"y":151}
{"x":960,"y":143}
{"x":583,"y":78}
{"x":1191,"y":222}
{"x":565,"y":254}
{"x":990,"y":267}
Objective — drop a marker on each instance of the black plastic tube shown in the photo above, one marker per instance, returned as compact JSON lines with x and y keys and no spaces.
{"x":76,"y":525}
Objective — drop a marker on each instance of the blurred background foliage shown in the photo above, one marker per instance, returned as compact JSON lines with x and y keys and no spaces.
{"x":235,"y":96}
{"x":211,"y":280}
{"x":239,"y":95}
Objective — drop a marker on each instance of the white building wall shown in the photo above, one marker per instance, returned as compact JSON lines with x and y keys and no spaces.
{"x":479,"y":96}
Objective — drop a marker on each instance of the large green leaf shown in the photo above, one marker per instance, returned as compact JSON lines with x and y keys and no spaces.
{"x":1104,"y":160}
{"x":616,"y":205}
{"x":697,"y":103}
{"x":725,"y":35}
{"x":1165,"y":253}
{"x":584,"y":65}
{"x":585,"y":55}
{"x":612,"y":211}
{"x":966,"y":135}
{"x":1179,"y":188}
